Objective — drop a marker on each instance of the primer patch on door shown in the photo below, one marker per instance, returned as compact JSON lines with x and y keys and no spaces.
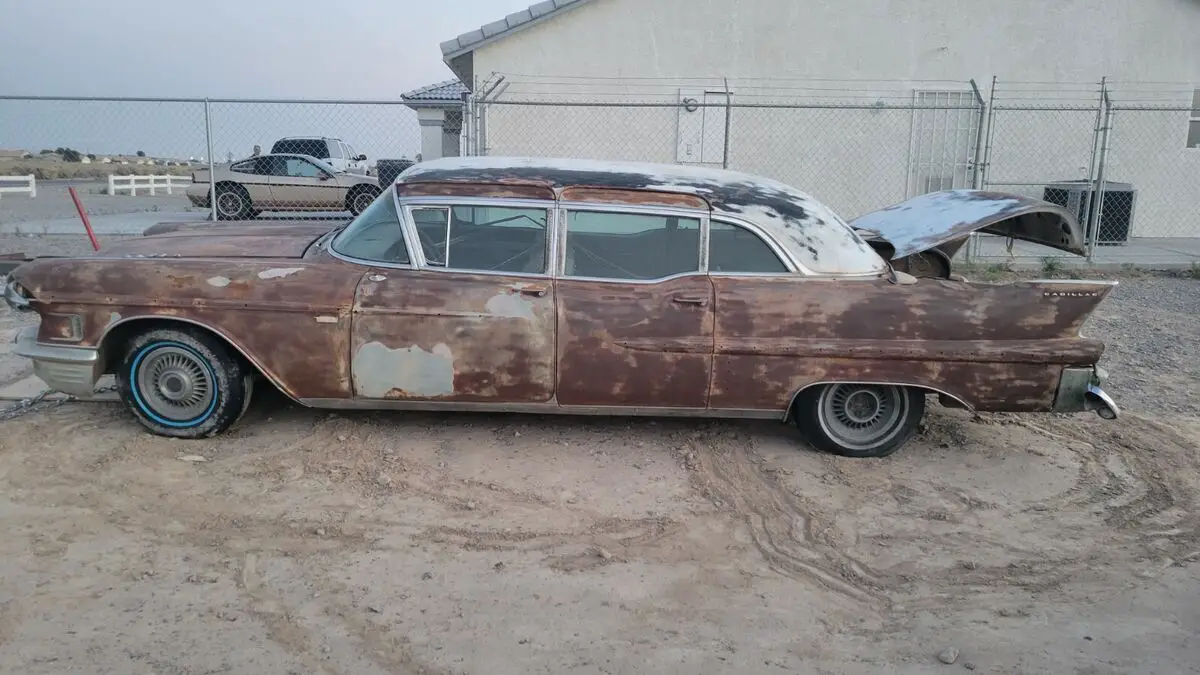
{"x":510,"y":306}
{"x":219,"y":282}
{"x":279,"y":272}
{"x":410,"y":372}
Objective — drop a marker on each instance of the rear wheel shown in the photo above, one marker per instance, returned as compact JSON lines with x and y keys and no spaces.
{"x":233,"y":203}
{"x":859,"y":420}
{"x":183,"y":382}
{"x":360,"y":199}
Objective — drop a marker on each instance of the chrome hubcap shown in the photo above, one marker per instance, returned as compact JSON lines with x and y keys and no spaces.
{"x":229,"y":203}
{"x":860,"y":416}
{"x":175,"y":383}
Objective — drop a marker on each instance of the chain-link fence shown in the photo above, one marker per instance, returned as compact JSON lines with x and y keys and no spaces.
{"x":1126,"y":171}
{"x":270,"y":158}
{"x":857,"y":146}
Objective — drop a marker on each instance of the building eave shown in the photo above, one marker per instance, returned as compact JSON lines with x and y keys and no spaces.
{"x":497,"y":30}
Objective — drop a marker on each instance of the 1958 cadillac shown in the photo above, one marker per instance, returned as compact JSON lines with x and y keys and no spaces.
{"x":563,"y":286}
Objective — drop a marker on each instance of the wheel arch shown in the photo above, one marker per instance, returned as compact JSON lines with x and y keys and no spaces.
{"x":120,"y":331}
{"x":791,"y":407}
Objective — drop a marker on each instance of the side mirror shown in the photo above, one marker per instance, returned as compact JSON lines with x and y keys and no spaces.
{"x":360,"y":158}
{"x":324,"y":176}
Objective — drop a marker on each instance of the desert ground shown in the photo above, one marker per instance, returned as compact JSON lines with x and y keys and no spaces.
{"x":311,"y":542}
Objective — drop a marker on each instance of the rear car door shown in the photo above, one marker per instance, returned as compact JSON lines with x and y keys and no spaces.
{"x":635,"y":311}
{"x":297,"y":183}
{"x":472,"y":320}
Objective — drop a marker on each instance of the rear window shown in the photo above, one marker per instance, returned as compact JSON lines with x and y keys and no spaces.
{"x":313,"y":147}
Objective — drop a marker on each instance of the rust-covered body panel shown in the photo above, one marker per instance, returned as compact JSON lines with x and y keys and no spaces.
{"x":445,"y":336}
{"x":991,"y":346}
{"x":289,"y":316}
{"x":628,"y":344}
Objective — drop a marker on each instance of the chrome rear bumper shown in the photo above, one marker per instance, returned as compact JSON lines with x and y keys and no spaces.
{"x":1079,"y":391}
{"x":71,"y":370}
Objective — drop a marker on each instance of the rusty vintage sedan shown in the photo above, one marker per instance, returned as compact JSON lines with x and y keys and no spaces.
{"x":564,"y":286}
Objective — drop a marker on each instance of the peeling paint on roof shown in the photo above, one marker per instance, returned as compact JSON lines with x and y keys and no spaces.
{"x":513,"y":22}
{"x":813,"y":234}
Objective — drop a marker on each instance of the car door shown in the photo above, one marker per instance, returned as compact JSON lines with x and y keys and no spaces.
{"x":297,"y":183}
{"x":254,"y":175}
{"x":472,"y":321}
{"x":635,"y":311}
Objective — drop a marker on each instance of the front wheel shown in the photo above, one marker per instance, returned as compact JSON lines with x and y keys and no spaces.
{"x":183,"y":383}
{"x":859,"y":420}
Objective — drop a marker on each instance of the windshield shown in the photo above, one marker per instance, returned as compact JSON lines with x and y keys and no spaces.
{"x":375,"y":235}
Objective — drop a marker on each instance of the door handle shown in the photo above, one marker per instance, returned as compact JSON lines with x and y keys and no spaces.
{"x":533,"y":291}
{"x":697,"y":300}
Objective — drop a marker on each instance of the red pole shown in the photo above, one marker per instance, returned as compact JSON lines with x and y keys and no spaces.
{"x":83,"y":216}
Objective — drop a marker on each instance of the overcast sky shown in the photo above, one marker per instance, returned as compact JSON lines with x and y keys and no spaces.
{"x":232,"y":48}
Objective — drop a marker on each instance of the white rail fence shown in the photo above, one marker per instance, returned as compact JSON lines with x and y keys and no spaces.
{"x":27,"y":184}
{"x":151,"y":183}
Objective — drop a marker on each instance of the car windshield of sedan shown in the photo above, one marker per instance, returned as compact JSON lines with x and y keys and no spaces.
{"x":375,"y":234}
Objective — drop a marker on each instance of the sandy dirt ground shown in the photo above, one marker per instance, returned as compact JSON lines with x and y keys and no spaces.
{"x":310,"y":542}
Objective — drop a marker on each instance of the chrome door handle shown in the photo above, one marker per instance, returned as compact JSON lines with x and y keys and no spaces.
{"x":697,"y":300}
{"x":535,"y":291}
{"x":376,"y":277}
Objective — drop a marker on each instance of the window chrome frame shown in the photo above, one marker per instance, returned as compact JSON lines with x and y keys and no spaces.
{"x":417,"y":252}
{"x":377,"y":263}
{"x":701,"y":215}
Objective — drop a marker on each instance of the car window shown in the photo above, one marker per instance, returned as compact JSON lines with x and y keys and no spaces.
{"x":351,"y":153}
{"x":299,"y":168}
{"x":736,"y":249}
{"x":272,"y":165}
{"x":631,"y":246}
{"x":249,"y":166}
{"x":313,"y":147}
{"x":375,"y":234}
{"x":336,"y":151}
{"x":483,"y":238}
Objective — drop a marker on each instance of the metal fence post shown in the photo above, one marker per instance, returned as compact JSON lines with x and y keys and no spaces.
{"x":728,"y":119}
{"x":212,"y":174}
{"x":1097,"y":206}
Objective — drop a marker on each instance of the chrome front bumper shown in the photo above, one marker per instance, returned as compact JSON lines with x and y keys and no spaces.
{"x":1079,"y":391}
{"x":71,"y":370}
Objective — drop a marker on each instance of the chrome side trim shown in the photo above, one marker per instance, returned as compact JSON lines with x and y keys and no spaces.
{"x":216,"y":331}
{"x":550,"y":408}
{"x":792,"y":401}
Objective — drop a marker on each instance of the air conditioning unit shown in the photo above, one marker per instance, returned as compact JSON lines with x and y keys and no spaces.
{"x":1119,"y":200}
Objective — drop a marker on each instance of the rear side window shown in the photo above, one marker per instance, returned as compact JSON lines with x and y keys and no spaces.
{"x":313,"y":147}
{"x":736,"y":250}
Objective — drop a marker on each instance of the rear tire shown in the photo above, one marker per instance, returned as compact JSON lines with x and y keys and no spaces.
{"x":233,"y":203}
{"x":184,"y":382}
{"x":858,"y":420}
{"x":358,"y":200}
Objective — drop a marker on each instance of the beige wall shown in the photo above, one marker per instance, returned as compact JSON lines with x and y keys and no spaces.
{"x":859,"y":160}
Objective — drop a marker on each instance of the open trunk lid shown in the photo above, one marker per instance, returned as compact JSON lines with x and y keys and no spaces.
{"x":938,"y":218}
